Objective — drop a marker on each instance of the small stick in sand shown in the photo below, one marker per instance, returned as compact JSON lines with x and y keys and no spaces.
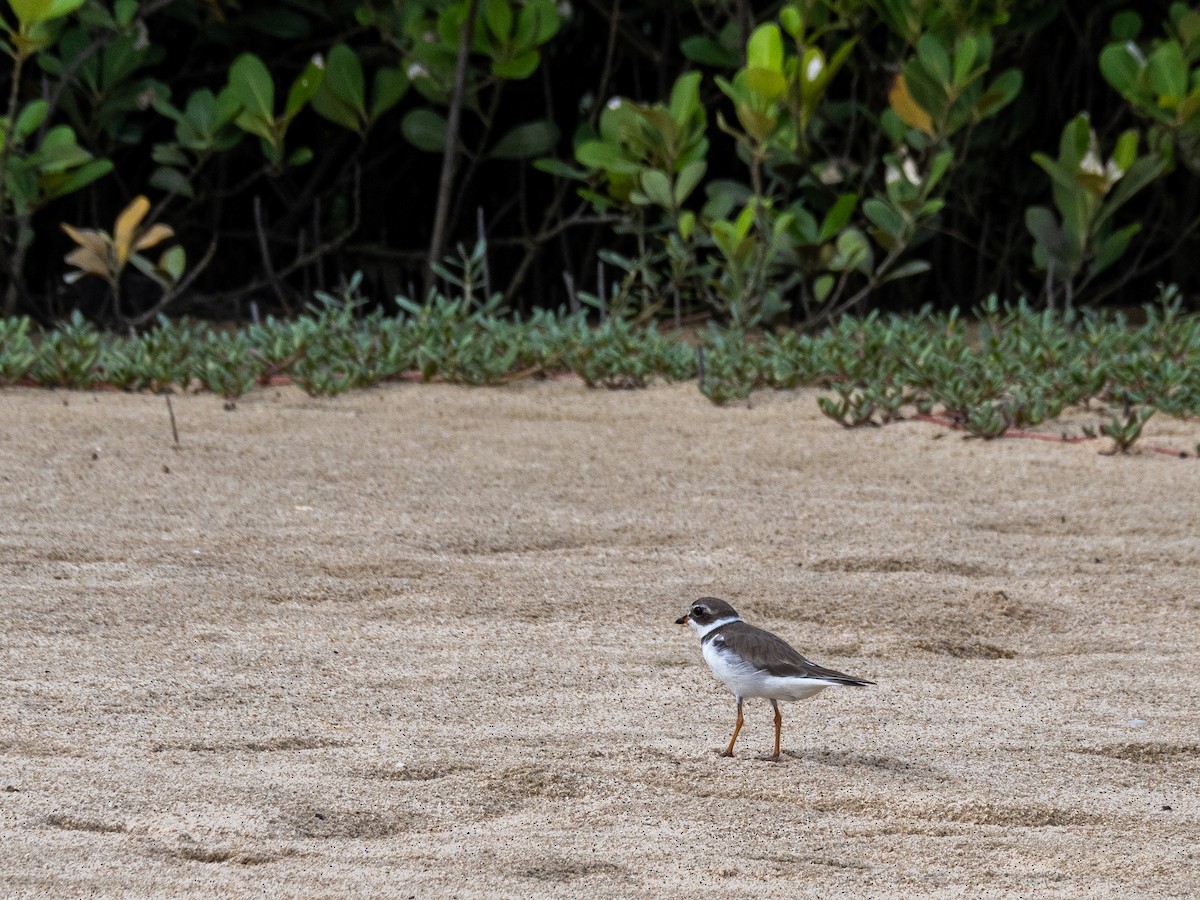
{"x":171,"y":412}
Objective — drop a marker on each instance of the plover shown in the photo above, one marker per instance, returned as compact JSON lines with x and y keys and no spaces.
{"x":755,"y":663}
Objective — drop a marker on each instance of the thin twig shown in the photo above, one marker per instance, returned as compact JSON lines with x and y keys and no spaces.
{"x":437,"y":237}
{"x":265,"y":250}
{"x":600,"y":292}
{"x":171,"y":413}
{"x":178,"y":290}
{"x":316,"y":252}
{"x":572,"y":298}
{"x":316,"y":224}
{"x":487,"y":268}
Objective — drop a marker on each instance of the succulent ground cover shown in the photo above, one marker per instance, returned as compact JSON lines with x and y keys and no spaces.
{"x":1002,"y":370}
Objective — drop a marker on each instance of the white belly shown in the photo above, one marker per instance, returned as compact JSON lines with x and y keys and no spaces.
{"x":746,"y":681}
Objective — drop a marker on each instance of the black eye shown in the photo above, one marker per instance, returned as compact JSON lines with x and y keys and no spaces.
{"x":697,"y":610}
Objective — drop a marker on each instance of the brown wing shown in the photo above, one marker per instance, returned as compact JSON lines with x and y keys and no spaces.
{"x":772,"y":654}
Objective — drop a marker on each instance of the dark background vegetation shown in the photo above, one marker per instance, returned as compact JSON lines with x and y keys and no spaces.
{"x":369,"y":204}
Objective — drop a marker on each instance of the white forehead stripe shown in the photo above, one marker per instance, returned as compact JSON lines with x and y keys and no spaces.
{"x":711,"y":626}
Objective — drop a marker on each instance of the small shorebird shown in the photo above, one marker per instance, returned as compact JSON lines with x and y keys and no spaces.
{"x":755,"y":663}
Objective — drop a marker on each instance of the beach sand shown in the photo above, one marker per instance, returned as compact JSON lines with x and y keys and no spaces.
{"x":418,"y":641}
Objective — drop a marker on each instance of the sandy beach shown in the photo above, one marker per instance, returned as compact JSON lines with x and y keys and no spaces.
{"x":419,"y":641}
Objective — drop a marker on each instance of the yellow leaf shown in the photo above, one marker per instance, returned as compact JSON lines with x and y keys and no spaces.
{"x":84,"y":259}
{"x":906,"y":107}
{"x":155,"y":234}
{"x":96,"y":241}
{"x":127,"y":224}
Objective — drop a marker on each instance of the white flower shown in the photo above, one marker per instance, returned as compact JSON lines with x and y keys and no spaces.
{"x":564,"y":10}
{"x":415,"y":71}
{"x":318,"y":60}
{"x":813,"y":69}
{"x":830,"y":173}
{"x":614,"y":103}
{"x":1091,"y":163}
{"x":907,"y":170}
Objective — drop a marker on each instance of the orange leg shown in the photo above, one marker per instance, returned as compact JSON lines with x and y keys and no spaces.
{"x":778,"y":729}
{"x":736,"y":729}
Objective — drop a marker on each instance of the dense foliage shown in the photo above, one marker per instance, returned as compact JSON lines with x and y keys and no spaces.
{"x":760,"y":162}
{"x":1009,"y":369}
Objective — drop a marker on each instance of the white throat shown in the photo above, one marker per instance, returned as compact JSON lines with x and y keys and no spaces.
{"x":703,"y":630}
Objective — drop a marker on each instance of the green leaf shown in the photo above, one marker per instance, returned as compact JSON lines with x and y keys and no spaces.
{"x":254,"y":124}
{"x":687,"y":224}
{"x":766,"y":83}
{"x":685,"y":98}
{"x":1141,"y":173}
{"x":1188,"y":27}
{"x":560,"y":169}
{"x":77,"y":179}
{"x":883,"y":216}
{"x":906,"y":270}
{"x":838,"y":216}
{"x":937,"y":169}
{"x":537,"y":22}
{"x":425,"y":130}
{"x":932,"y":53}
{"x":341,"y":97}
{"x":853,"y":252}
{"x":999,"y":94}
{"x":821,"y":287}
{"x":1063,"y":177}
{"x":1113,"y":247}
{"x":173,"y":262}
{"x":498,"y":15}
{"x":687,"y":180}
{"x":1044,"y":228}
{"x":657,"y":186}
{"x":764,"y":50}
{"x":707,"y":52}
{"x":58,"y":151}
{"x":252,"y":86}
{"x":1126,"y":150}
{"x":606,"y":157}
{"x":30,"y":12}
{"x":389,"y":88}
{"x":169,"y":155}
{"x":1077,"y":137}
{"x":1168,"y":70}
{"x":305,"y":86}
{"x":526,"y":141}
{"x":789,"y":18}
{"x":1125,"y":25}
{"x":30,"y":119}
{"x":301,"y":156}
{"x":964,"y":59}
{"x":518,"y":68}
{"x":124,"y":11}
{"x":1120,"y":66}
{"x":172,"y":181}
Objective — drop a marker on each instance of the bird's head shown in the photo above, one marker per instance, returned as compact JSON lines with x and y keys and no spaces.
{"x":704,"y":612}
